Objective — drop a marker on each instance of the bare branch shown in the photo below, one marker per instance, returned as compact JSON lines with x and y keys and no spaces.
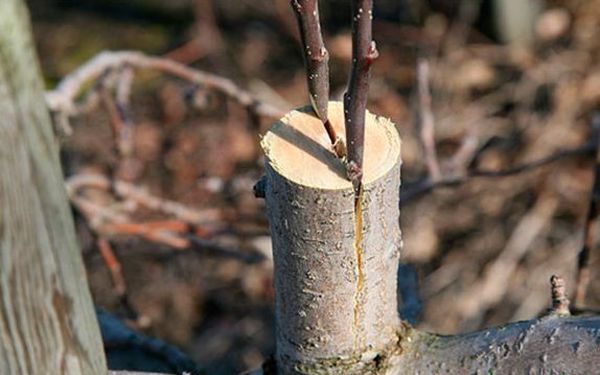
{"x":316,"y":61}
{"x":412,"y":191}
{"x":141,"y":196}
{"x":364,"y":52}
{"x":114,"y":266}
{"x":183,"y":232}
{"x":117,"y":121}
{"x":123,"y":97}
{"x":64,"y":97}
{"x":316,"y":57}
{"x":426,"y":123}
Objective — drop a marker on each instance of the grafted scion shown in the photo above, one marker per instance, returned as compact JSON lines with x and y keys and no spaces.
{"x":364,"y":52}
{"x":316,"y":61}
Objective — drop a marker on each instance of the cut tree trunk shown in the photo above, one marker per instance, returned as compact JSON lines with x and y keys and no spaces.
{"x":335,"y":272}
{"x":47,"y":320}
{"x":335,"y":261}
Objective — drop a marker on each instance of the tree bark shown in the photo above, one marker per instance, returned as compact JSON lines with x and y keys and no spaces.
{"x":335,"y":276}
{"x":550,"y":345}
{"x":47,"y":320}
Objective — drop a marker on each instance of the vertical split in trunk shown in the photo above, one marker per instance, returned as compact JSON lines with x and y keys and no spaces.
{"x":335,"y":272}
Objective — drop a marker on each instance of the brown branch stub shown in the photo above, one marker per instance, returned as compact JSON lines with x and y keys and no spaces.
{"x":560,"y":302}
{"x":364,"y":52}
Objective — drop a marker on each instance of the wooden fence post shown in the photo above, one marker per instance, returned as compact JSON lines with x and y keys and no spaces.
{"x":47,"y":319}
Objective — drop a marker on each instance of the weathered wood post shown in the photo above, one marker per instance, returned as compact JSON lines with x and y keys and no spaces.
{"x":47,"y":319}
{"x":335,"y":263}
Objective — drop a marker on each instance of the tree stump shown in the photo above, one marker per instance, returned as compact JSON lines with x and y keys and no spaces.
{"x":336,"y":259}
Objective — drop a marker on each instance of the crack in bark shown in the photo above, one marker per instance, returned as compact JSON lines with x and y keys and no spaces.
{"x":360,"y":277}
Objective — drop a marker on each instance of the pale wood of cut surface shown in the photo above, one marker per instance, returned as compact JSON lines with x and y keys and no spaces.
{"x":298,"y":147}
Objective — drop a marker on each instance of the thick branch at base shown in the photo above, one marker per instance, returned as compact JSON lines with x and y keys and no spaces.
{"x":548,"y":345}
{"x":551,"y":345}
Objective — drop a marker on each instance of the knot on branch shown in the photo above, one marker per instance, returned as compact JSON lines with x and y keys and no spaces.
{"x":372,"y":53}
{"x":321,"y":56}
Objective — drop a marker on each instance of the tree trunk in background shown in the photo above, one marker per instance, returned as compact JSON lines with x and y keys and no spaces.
{"x":47,"y":320}
{"x":335,"y":272}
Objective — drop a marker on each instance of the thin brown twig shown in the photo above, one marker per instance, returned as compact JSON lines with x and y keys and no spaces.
{"x":207,"y":39}
{"x":142,"y":196}
{"x":122,"y":102}
{"x":114,"y":92}
{"x":466,"y":152}
{"x":364,"y":53}
{"x":106,"y":223}
{"x":64,"y":97}
{"x":161,"y":232}
{"x":417,"y":189}
{"x":426,"y":122}
{"x":116,"y":120}
{"x":589,"y":235}
{"x":181,"y":233}
{"x":316,"y":57}
{"x":116,"y":272}
{"x":113,"y":264}
{"x":316,"y":61}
